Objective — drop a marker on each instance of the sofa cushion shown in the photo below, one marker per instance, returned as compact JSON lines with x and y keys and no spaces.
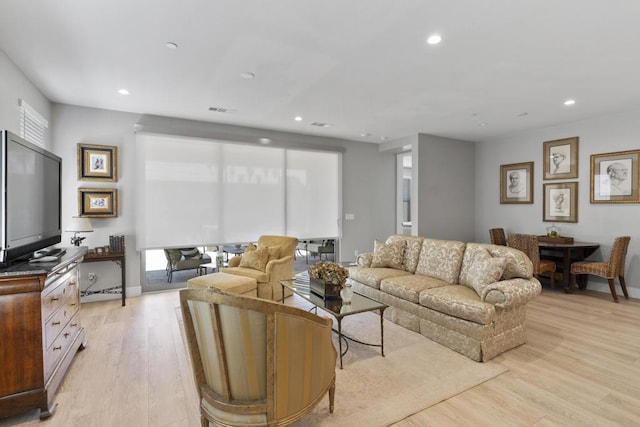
{"x":458,"y":301}
{"x":373,"y":276}
{"x":260,"y":276}
{"x":479,"y":269}
{"x":411,"y":251}
{"x":388,"y":255}
{"x":409,"y":287}
{"x":274,"y":251}
{"x":518,"y":264}
{"x":441,"y":259}
{"x":190,"y":252}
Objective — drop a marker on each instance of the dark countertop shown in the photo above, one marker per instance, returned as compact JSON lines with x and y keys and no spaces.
{"x":26,"y":268}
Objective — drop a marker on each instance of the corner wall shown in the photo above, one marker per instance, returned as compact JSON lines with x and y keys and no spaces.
{"x":599,"y":223}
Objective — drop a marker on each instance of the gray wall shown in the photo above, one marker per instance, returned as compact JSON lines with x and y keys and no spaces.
{"x":599,"y":223}
{"x":13,"y":86}
{"x":445,"y":188}
{"x":368,"y":178}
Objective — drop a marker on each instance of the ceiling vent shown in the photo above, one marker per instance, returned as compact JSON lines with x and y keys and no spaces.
{"x":221,"y":110}
{"x":320,"y":124}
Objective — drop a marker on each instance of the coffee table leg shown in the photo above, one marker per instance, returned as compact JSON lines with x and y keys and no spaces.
{"x":340,"y":338}
{"x":382,"y":331}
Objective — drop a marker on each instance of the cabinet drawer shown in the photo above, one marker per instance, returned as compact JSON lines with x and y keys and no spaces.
{"x":61,"y":344}
{"x":55,"y":294}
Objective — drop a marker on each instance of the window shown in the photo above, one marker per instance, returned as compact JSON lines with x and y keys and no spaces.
{"x":32,"y":125}
{"x":194,"y":192}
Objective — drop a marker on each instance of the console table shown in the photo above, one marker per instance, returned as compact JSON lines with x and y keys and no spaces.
{"x":118,"y":258}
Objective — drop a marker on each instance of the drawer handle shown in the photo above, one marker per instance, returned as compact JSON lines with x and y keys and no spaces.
{"x":55,"y":299}
{"x":73,"y":325}
{"x":57,"y":348}
{"x":72,"y":304}
{"x":66,"y":334}
{"x":55,"y":323}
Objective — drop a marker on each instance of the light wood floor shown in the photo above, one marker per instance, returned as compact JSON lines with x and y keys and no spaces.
{"x":581,"y":367}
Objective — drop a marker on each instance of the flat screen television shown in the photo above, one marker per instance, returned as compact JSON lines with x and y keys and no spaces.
{"x":30,"y":203}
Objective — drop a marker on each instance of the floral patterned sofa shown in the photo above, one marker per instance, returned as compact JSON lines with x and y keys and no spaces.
{"x":469,"y":297}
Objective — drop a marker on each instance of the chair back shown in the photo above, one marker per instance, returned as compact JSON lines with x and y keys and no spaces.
{"x":287,"y":244}
{"x":249,"y":363}
{"x":528,"y":244}
{"x":618,"y":256}
{"x":497,"y":236}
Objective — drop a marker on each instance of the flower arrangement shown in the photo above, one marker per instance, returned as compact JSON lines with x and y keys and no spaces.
{"x":330,"y":272}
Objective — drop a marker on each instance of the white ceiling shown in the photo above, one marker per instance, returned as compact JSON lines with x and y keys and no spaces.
{"x":361,"y":65}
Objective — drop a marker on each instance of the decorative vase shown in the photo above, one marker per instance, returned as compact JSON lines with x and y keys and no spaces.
{"x":553,"y":231}
{"x":346,"y":293}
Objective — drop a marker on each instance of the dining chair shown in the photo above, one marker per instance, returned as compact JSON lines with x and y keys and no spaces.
{"x":497,"y":236}
{"x":528,"y":244}
{"x":609,"y":270}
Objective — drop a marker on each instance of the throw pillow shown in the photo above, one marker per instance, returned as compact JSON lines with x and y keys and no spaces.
{"x":255,"y":258}
{"x":485,"y":271}
{"x":274,"y":252}
{"x":388,"y":255}
{"x":190,"y":252}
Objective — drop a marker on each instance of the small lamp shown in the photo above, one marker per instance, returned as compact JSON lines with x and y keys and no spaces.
{"x":79,"y":224}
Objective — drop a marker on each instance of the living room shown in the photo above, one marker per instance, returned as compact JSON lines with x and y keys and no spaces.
{"x":459,"y":195}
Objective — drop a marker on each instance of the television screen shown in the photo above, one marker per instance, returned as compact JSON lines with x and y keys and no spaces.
{"x":31,"y":202}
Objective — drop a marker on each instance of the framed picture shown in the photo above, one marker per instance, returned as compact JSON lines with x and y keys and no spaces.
{"x":98,"y":202}
{"x":560,"y":202}
{"x":560,"y":158}
{"x":615,"y":178}
{"x":516,"y":183}
{"x":97,"y":162}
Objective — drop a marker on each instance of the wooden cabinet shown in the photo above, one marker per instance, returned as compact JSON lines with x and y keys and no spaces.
{"x":40,"y":332}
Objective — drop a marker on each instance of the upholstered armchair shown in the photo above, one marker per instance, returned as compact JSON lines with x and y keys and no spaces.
{"x":256,"y":362}
{"x":184,"y":259}
{"x":269,"y":263}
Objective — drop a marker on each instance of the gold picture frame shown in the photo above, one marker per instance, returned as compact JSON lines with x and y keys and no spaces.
{"x":97,"y":163}
{"x":560,"y":202}
{"x":98,"y":202}
{"x":516,"y":183}
{"x":560,"y":158}
{"x":615,"y":177}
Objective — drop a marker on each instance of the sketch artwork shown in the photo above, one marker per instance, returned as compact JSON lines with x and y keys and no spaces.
{"x":559,"y":205}
{"x":561,"y":159}
{"x":615,"y":179}
{"x":517,"y":183}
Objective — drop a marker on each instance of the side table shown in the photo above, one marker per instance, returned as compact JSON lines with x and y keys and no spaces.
{"x":118,"y":258}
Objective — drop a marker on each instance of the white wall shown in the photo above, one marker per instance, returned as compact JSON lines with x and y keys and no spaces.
{"x":14,"y":85}
{"x":599,"y":223}
{"x":368,"y":179}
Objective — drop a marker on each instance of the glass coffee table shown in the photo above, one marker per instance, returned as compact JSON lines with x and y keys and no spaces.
{"x":334,"y":306}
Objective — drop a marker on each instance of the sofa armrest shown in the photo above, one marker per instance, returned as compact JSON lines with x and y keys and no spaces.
{"x":235,"y":261}
{"x":364,"y":260}
{"x":513,"y":292}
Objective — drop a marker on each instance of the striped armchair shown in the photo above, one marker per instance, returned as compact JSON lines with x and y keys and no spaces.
{"x":256,"y":362}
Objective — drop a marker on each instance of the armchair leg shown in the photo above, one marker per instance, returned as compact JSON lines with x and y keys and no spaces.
{"x":170,"y":276}
{"x":552,"y":275}
{"x":332,"y":395}
{"x":612,"y":288}
{"x":623,"y":285}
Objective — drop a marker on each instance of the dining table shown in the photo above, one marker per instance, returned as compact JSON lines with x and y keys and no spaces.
{"x":564,"y":253}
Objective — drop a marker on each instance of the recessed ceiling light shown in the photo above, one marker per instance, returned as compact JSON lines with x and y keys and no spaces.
{"x":569,"y":102}
{"x":298,"y":118}
{"x":434,"y":39}
{"x":247,"y":75}
{"x":365,"y":135}
{"x":384,"y":138}
{"x":171,"y":45}
{"x":524,"y":113}
{"x":482,"y":124}
{"x":123,"y":91}
{"x":264,"y":141}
